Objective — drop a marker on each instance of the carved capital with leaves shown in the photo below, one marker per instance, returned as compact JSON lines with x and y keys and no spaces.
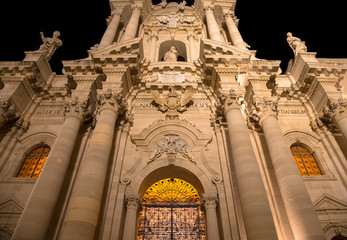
{"x":210,"y":200}
{"x":132,"y":200}
{"x":230,"y":99}
{"x":334,"y":110}
{"x":78,"y":108}
{"x":110,"y":100}
{"x":262,"y":108}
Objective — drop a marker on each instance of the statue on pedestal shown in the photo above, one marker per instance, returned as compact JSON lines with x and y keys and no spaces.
{"x":50,"y":45}
{"x":296,"y":44}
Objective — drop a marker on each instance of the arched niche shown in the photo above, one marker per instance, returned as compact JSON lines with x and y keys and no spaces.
{"x":180,"y":47}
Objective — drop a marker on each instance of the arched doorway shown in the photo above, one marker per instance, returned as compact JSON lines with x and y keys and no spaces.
{"x":171,"y":209}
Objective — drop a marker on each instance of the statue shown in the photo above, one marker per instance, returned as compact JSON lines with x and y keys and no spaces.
{"x":171,"y":55}
{"x":50,"y":44}
{"x":296,"y":44}
{"x":163,"y":3}
{"x":181,"y":6}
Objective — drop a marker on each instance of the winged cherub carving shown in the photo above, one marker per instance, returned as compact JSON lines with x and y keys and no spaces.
{"x":172,"y":104}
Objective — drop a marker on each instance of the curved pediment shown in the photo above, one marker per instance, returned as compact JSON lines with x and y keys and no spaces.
{"x":182,"y":128}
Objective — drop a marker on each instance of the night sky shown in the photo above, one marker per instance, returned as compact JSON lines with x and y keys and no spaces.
{"x":263,"y":25}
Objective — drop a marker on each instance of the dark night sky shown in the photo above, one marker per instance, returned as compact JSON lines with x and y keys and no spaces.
{"x":263,"y":25}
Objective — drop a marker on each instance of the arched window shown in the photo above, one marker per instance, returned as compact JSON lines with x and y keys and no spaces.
{"x":33,"y":162}
{"x":305,"y":161}
{"x":171,"y":209}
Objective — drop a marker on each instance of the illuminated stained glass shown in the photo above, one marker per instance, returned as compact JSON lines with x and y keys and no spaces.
{"x":171,"y":210}
{"x":305,"y":161}
{"x":34,"y":162}
{"x":171,"y":190}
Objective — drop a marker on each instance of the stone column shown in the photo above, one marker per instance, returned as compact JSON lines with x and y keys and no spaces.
{"x":212,"y":25}
{"x":131,"y":28}
{"x":301,"y":214}
{"x":255,"y":206}
{"x":153,"y":41}
{"x":210,"y":204}
{"x":234,"y":33}
{"x":36,"y":217}
{"x":191,"y":38}
{"x":336,"y":112}
{"x":132,"y":202}
{"x":82,"y":215}
{"x":110,"y":33}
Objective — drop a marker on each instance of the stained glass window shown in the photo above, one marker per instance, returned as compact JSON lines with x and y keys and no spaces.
{"x":305,"y":161}
{"x":34,"y":162}
{"x":171,"y":210}
{"x":171,"y":190}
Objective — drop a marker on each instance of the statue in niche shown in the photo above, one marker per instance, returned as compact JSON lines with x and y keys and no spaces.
{"x":50,"y":45}
{"x":296,"y":44}
{"x":171,"y":55}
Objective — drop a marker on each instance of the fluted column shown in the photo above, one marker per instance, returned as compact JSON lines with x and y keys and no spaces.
{"x":132,"y":202}
{"x":131,"y":28}
{"x":336,"y":112}
{"x":84,"y":206}
{"x":191,"y":38}
{"x":255,"y":206}
{"x":36,"y":217}
{"x":210,"y":204}
{"x":298,"y":205}
{"x":110,"y":33}
{"x":153,"y":42}
{"x":234,"y":32}
{"x":212,"y":25}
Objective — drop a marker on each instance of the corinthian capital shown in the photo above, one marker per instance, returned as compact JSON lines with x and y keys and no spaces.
{"x":209,"y":8}
{"x":334,"y":110}
{"x":108,"y":99}
{"x":210,"y":200}
{"x":230,"y":99}
{"x":79,"y":108}
{"x":133,"y":200}
{"x":263,"y":107}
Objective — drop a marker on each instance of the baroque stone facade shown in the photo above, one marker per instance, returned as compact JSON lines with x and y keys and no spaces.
{"x":173,"y":91}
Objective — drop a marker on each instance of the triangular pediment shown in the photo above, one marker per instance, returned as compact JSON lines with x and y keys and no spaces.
{"x":117,"y":48}
{"x":328,"y":202}
{"x":10,"y":206}
{"x":216,"y":49}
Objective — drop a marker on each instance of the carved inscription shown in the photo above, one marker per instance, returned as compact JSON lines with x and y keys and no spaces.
{"x":291,"y":111}
{"x":49,"y":112}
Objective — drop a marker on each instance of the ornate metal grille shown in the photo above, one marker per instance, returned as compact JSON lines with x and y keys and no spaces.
{"x":171,"y":211}
{"x":34,"y":162}
{"x":305,"y":161}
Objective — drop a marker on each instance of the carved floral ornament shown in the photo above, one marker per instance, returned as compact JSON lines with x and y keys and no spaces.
{"x":172,"y":145}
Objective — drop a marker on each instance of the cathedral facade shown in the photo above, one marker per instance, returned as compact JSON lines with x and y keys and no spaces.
{"x":172,"y":128}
